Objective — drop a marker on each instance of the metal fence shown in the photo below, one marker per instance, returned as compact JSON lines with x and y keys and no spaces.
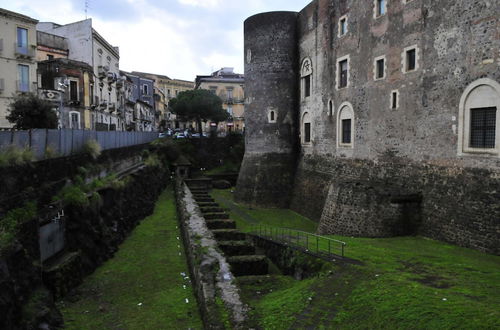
{"x":65,"y":142}
{"x":319,"y":245}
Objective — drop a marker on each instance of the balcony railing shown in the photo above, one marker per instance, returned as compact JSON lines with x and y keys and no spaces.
{"x":24,"y":51}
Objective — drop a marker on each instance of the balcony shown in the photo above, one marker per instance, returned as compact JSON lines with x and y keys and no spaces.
{"x":25,"y":51}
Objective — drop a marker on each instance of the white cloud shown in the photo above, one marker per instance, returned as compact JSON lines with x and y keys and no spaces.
{"x":201,"y":3}
{"x":155,"y":38}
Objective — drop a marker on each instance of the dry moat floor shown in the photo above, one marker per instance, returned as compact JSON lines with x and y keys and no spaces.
{"x":403,"y":283}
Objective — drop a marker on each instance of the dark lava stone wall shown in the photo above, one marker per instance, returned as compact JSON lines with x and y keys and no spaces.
{"x":394,"y":197}
{"x":93,"y":234}
{"x":266,"y":174}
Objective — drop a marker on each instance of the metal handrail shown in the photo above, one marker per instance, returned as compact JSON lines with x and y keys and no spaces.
{"x":314,"y":243}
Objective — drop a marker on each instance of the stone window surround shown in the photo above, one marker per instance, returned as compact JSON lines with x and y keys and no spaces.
{"x":397,"y":99}
{"x":306,"y":118}
{"x":306,"y":71}
{"x":375,"y":12}
{"x":346,"y":111}
{"x":337,"y":76}
{"x":384,"y":73}
{"x":71,"y":121}
{"x":269,"y":117}
{"x":417,"y":58}
{"x":330,"y":108}
{"x":339,"y":30}
{"x":464,"y":118}
{"x":77,"y":87}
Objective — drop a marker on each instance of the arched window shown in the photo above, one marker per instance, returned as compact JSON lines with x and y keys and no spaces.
{"x":345,"y":126}
{"x":272,"y":115}
{"x":479,"y":118}
{"x":305,"y":77}
{"x":330,"y":108}
{"x":306,"y":129}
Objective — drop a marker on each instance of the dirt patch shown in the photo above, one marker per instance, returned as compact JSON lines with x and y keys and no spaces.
{"x":427,"y":276}
{"x":433,"y":281}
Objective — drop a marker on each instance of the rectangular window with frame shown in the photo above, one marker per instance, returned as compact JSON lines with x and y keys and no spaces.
{"x":380,"y":7}
{"x":24,"y":78}
{"x":343,"y":71}
{"x":380,"y":69}
{"x":307,"y":132}
{"x":394,"y":100}
{"x":22,"y":41}
{"x":411,"y":60}
{"x":307,"y":86}
{"x":342,"y":26}
{"x":483,"y":127}
{"x":145,"y":89}
{"x":230,"y":110}
{"x":73,"y":90}
{"x":346,"y":131}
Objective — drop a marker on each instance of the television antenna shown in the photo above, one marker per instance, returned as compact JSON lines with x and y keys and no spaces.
{"x":87,"y":6}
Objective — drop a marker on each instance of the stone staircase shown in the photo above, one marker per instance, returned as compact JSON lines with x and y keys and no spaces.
{"x":240,"y":252}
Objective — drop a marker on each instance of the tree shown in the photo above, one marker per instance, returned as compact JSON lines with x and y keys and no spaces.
{"x":28,"y":111}
{"x":198,"y":105}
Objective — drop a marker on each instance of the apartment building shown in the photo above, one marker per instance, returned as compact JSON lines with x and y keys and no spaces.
{"x":17,"y":59}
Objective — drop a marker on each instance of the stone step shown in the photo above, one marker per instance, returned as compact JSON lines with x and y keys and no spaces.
{"x":237,"y":248}
{"x":228,"y":234}
{"x":221,"y":224}
{"x":211,"y":209}
{"x":211,"y":216}
{"x":201,"y":196}
{"x":204,"y":200}
{"x":248,"y":265}
{"x":207,"y":204}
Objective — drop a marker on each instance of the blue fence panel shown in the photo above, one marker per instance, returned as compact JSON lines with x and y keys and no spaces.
{"x":78,"y":141}
{"x":66,"y":137}
{"x":21,"y":139}
{"x":5,"y":138}
{"x":53,"y":141}
{"x":38,"y":140}
{"x":65,"y":142}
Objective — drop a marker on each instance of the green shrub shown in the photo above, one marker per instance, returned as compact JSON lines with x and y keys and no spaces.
{"x":153,"y":161}
{"x":13,"y":155}
{"x":72,"y":195}
{"x":93,"y":148}
{"x":50,"y":152}
{"x":9,"y":224}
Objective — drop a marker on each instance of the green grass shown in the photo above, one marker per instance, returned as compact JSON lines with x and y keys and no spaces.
{"x":245,"y":216}
{"x":403,"y":283}
{"x":142,"y":286}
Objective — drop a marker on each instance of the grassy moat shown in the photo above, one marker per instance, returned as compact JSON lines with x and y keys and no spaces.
{"x":404,"y":283}
{"x":144,"y":286}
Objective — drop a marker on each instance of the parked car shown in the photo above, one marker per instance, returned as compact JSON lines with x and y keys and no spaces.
{"x":162,"y":135}
{"x":179,"y":136}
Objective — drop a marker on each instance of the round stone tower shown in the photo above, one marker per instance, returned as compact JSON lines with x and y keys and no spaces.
{"x":271,"y":110}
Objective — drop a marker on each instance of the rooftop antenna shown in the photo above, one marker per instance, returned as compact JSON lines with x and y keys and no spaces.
{"x":87,"y":3}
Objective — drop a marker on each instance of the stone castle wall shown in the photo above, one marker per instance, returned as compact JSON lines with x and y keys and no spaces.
{"x":266,"y":175}
{"x":405,"y":170}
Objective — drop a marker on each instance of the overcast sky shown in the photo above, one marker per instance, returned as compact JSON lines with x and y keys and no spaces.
{"x":177,"y":38}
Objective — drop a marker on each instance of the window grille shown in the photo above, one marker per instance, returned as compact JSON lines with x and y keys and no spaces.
{"x":346,"y":131}
{"x":343,"y":68}
{"x":483,"y":127}
{"x":307,"y":132}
